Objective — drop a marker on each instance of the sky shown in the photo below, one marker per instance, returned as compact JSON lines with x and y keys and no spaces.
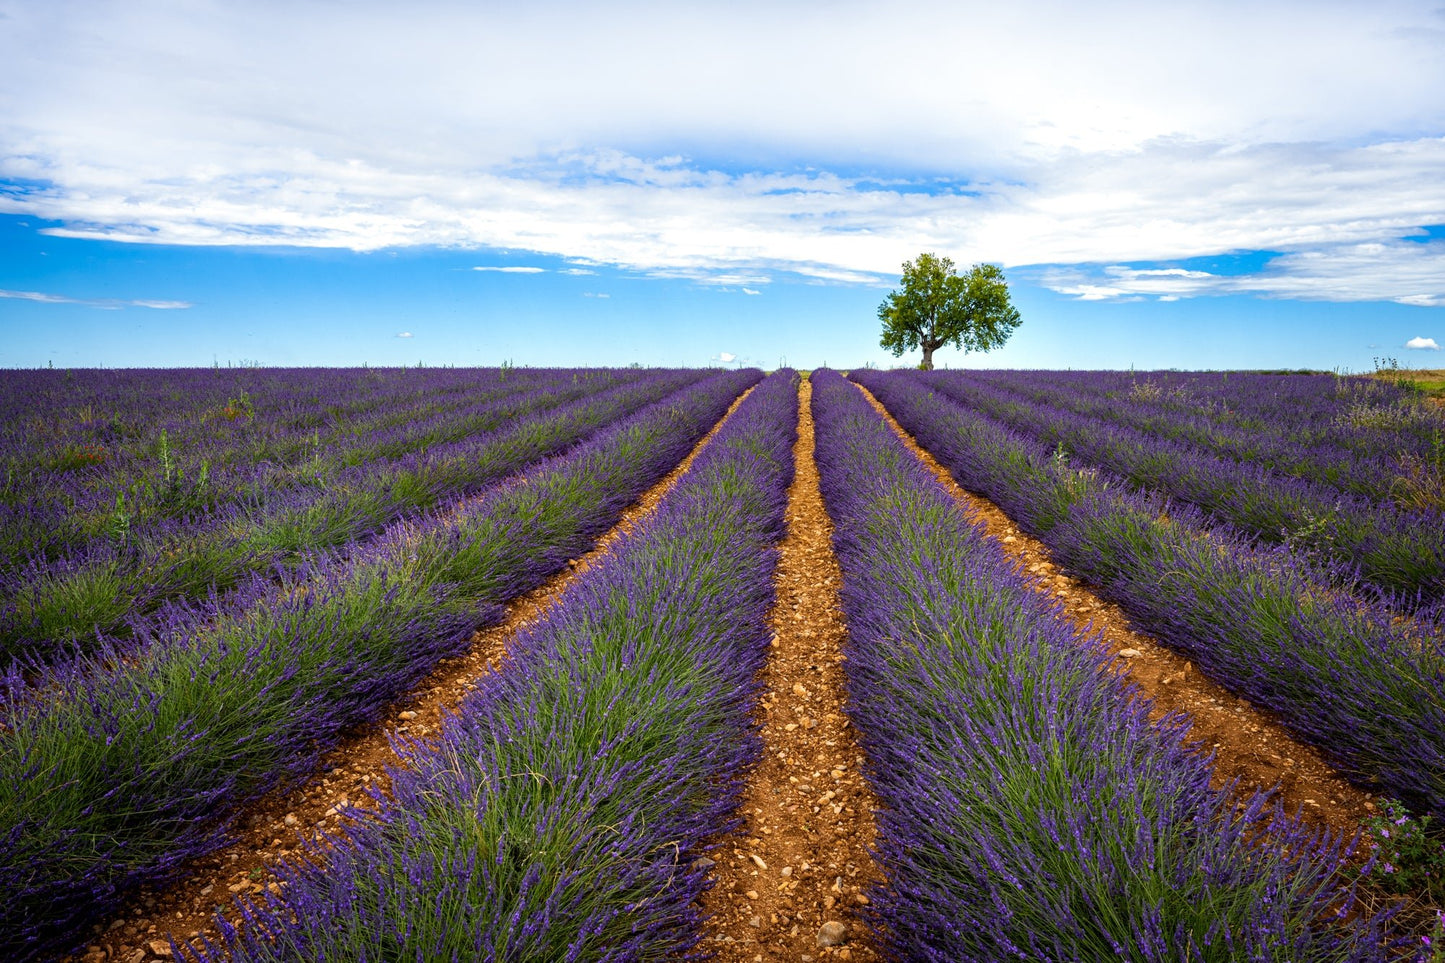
{"x":317,"y":182}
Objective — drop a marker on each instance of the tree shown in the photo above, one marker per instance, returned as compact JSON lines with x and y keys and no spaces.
{"x":936,"y":307}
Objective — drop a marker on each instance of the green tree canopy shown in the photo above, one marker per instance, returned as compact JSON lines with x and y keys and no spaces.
{"x":937,"y":306}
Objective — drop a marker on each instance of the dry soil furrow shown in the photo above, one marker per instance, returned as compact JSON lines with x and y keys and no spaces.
{"x":1248,"y":744}
{"x":275,"y":826}
{"x":790,"y":880}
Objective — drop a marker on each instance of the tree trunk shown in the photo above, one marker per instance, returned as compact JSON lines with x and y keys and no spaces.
{"x":927,"y":363}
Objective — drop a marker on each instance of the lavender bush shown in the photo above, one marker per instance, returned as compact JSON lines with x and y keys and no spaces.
{"x":560,"y":814}
{"x":1307,"y":427}
{"x":1312,"y":408}
{"x":1364,"y":686}
{"x":47,"y":607}
{"x":1030,"y":810}
{"x":113,"y":772}
{"x":1397,"y":551}
{"x":173,"y":441}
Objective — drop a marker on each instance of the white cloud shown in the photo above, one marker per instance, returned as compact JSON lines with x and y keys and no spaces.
{"x":109,"y":304}
{"x":751,"y":291}
{"x":1422,"y":344}
{"x":1118,"y":282}
{"x":703,"y":275}
{"x":595,"y":294}
{"x":577,"y":272}
{"x":404,"y":334}
{"x":1118,"y":133}
{"x":511,"y":270}
{"x":726,"y":357}
{"x":1408,"y":272}
{"x":159,"y":305}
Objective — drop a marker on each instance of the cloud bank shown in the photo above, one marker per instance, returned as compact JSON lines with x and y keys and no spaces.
{"x":683,"y":142}
{"x":1422,"y":344}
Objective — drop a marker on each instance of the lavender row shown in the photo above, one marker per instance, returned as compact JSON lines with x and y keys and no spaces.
{"x":71,"y":470}
{"x":1368,"y":689}
{"x":1364,"y":415}
{"x":1394,"y":551}
{"x":1337,"y":455}
{"x":1337,"y":420}
{"x":181,"y":474}
{"x":174,"y":496}
{"x":1354,"y":433}
{"x":1030,"y":809}
{"x":560,"y":813}
{"x":175,"y":392}
{"x":270,"y":410}
{"x":115,"y":772}
{"x":45,"y":608}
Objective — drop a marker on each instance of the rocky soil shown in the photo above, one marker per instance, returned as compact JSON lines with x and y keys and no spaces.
{"x":789,"y":883}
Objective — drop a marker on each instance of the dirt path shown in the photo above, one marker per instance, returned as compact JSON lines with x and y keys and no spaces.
{"x":274,"y":826}
{"x":1248,"y":744}
{"x":802,"y":859}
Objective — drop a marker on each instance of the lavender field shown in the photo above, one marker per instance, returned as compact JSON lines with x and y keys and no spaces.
{"x":211,"y":579}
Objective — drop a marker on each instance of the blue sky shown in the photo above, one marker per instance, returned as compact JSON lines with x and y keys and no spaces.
{"x":1166,"y":185}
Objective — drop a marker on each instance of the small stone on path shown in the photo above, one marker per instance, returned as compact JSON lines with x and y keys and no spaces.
{"x":832,"y":933}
